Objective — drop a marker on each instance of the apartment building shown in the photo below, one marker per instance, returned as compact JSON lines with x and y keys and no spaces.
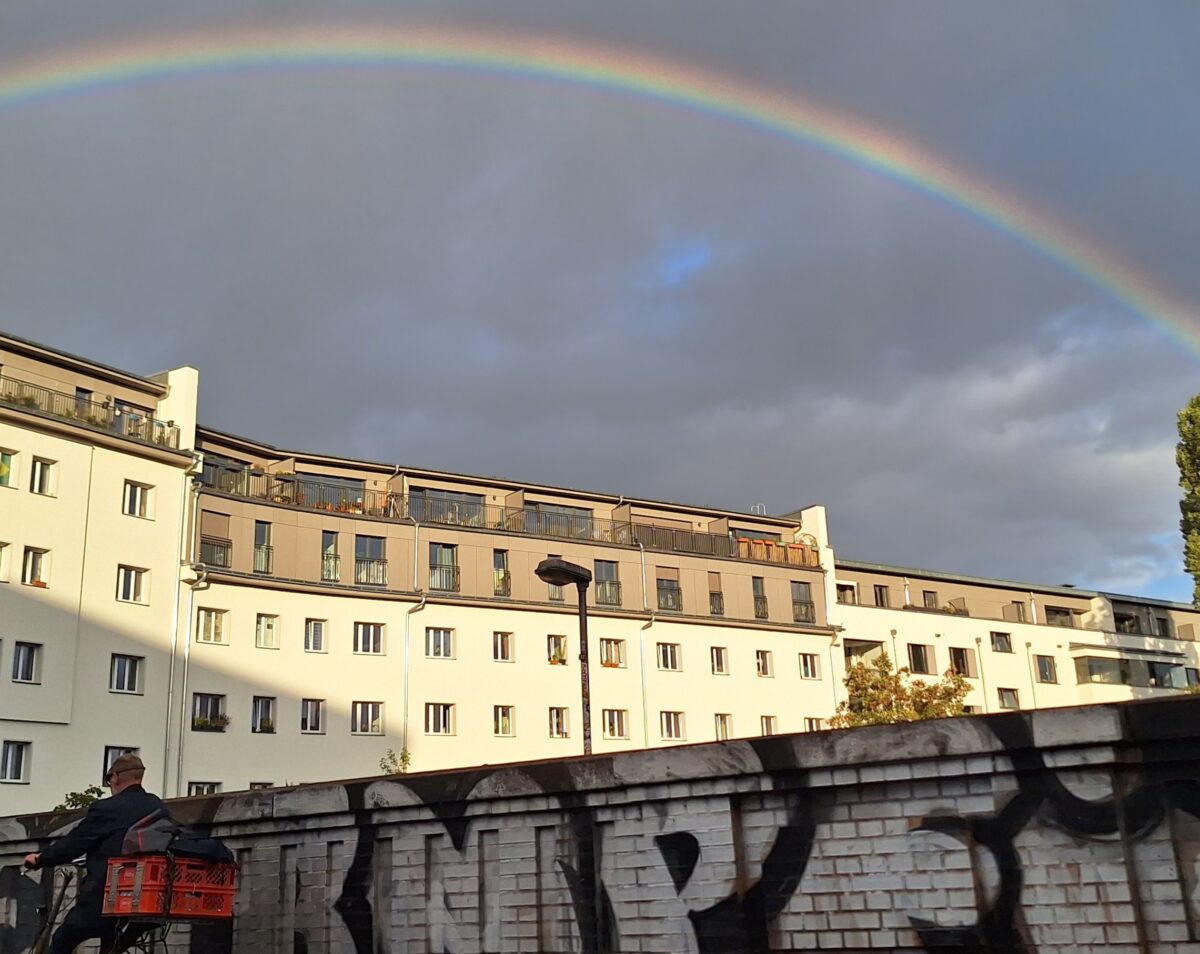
{"x":246,"y":616}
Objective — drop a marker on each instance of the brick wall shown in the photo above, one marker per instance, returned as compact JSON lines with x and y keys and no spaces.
{"x":1060,"y":831}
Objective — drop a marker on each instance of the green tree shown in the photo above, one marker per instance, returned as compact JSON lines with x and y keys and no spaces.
{"x":73,"y":800}
{"x":1187,"y":456}
{"x":881,"y":694}
{"x":394,"y":764}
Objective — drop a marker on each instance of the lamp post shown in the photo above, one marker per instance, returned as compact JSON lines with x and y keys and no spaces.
{"x":558,"y":572}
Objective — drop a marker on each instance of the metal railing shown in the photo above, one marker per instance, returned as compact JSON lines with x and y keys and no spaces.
{"x":371,"y":572}
{"x":716,"y":604}
{"x":331,"y":568}
{"x":215,"y":551}
{"x":501,"y":583}
{"x":670,"y":598}
{"x":608,"y":593}
{"x":106,"y":417}
{"x":804,"y":611}
{"x":443,"y":577}
{"x":264,"y":558}
{"x":760,"y":607}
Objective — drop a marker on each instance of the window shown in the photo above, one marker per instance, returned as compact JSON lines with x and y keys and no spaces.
{"x":264,"y":554}
{"x":124,"y":673}
{"x":366,"y":718}
{"x":882,"y":596}
{"x":553,"y":592}
{"x":608,"y":583}
{"x":813,"y":725}
{"x":203,"y":788}
{"x":716,"y":597}
{"x":616,"y":723}
{"x":260,"y":786}
{"x":758,"y":587}
{"x":847,"y":593}
{"x":208,"y":712}
{"x":262,"y":714}
{"x":503,"y":720}
{"x":14,"y":762}
{"x":920,"y":658}
{"x":723,"y":726}
{"x":312,"y":716}
{"x":1193,"y":676}
{"x":266,"y":631}
{"x":8,"y":471}
{"x":370,"y":566}
{"x":114,"y":752}
{"x":1008,"y":698}
{"x":41,"y":476}
{"x":1162,"y":627}
{"x":720,"y":660}
{"x":137,"y":499}
{"x":769,"y":725}
{"x":1018,"y":611}
{"x":559,"y":728}
{"x":131,"y":584}
{"x":331,"y":563}
{"x":670,"y":596}
{"x":1046,"y":669}
{"x":803,"y":608}
{"x":502,"y":580}
{"x":210,"y":626}
{"x":443,"y":567}
{"x":314,"y":635}
{"x":929,"y":599}
{"x":612,"y":653}
{"x":1058,"y":616}
{"x":502,"y":647}
{"x":27,"y":662}
{"x":430,"y":505}
{"x":368,"y":638}
{"x":1001,"y":643}
{"x":4,"y":562}
{"x":439,"y":643}
{"x":668,"y":656}
{"x":809,"y":666}
{"x":971,"y":710}
{"x":671,"y":725}
{"x":35,"y":570}
{"x":962,"y":661}
{"x":439,"y":718}
{"x":763,"y":663}
{"x":556,"y":650}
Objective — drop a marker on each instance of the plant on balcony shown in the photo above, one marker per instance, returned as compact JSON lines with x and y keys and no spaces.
{"x":206,"y":724}
{"x":29,"y":401}
{"x":265,"y":725}
{"x":558,"y":658}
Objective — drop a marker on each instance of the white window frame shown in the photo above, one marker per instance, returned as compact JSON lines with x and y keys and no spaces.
{"x":719,"y":657}
{"x":39,"y":558}
{"x":722,"y":726}
{"x":14,"y":761}
{"x":812,"y":724}
{"x":133,"y":584}
{"x":559,"y":719}
{"x":366,"y":713}
{"x":764,"y":663}
{"x":769,"y":725}
{"x":266,"y":631}
{"x":42,"y":473}
{"x":439,"y":643}
{"x":668,"y":655}
{"x":137,"y":500}
{"x":314,"y":635}
{"x":612,"y":653}
{"x":439,"y":718}
{"x":263,"y":710}
{"x":810,"y":666}
{"x":312,"y":716}
{"x":199,"y":789}
{"x":502,"y":646}
{"x":616,"y":723}
{"x":1016,"y":698}
{"x":368,"y":639}
{"x":671,"y":726}
{"x":11,"y":479}
{"x":210,"y":626}
{"x":504,"y":721}
{"x":32,"y":652}
{"x":5,"y":549}
{"x":114,"y":752}
{"x":130,"y":681}
{"x":556,"y":650}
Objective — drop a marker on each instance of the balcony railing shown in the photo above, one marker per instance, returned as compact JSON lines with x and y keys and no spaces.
{"x":502,"y":583}
{"x":264,"y":558}
{"x":99,"y":417}
{"x":670,"y":598}
{"x":293,"y":491}
{"x":608,"y":593}
{"x":760,"y":607}
{"x":804,"y":611}
{"x":442,"y":577}
{"x":215,"y":551}
{"x":331,"y":568}
{"x":716,"y":604}
{"x":370,"y":572}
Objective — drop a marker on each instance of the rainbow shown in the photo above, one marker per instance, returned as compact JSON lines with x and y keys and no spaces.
{"x":783,"y":114}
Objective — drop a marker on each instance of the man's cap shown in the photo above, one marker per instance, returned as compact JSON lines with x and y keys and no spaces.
{"x":126,"y":763}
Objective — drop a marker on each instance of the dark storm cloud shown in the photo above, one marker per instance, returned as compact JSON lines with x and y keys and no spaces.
{"x":542,"y":282}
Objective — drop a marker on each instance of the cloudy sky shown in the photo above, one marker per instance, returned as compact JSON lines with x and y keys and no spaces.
{"x":503,"y":273}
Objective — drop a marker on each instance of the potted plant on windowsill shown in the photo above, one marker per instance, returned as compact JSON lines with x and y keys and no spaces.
{"x":41,"y":584}
{"x":266,"y":726}
{"x":205,"y":724}
{"x":610,"y":664}
{"x":558,"y":658}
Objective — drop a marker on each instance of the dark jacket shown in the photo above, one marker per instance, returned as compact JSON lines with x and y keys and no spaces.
{"x":100,"y":834}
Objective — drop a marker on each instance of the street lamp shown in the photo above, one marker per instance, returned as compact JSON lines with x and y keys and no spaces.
{"x":558,"y":572}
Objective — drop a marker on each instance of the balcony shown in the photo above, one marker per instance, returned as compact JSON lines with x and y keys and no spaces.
{"x":670,"y":598}
{"x":264,"y":558}
{"x":760,"y":607}
{"x":501,"y":583}
{"x":608,"y":593}
{"x":215,"y":551}
{"x":98,"y":417}
{"x":804,"y":611}
{"x":444,"y":578}
{"x":716,"y":604}
{"x":371,"y":572}
{"x":331,"y":568}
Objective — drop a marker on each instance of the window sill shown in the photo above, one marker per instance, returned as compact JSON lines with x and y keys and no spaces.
{"x":312,"y":731}
{"x":125,"y":692}
{"x":27,"y":682}
{"x":14,"y":781}
{"x":273,"y":648}
{"x":132,"y":602}
{"x":36,"y":584}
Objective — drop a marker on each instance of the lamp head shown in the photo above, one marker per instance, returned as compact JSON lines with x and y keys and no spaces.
{"x":558,"y":572}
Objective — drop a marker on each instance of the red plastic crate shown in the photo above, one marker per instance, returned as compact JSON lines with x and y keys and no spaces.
{"x":138,"y":886}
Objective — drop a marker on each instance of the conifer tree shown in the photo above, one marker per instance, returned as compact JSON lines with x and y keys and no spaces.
{"x":1187,"y":456}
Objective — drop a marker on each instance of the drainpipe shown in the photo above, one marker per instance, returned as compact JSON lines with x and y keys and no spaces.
{"x":1033,"y":607}
{"x":201,"y":582}
{"x":832,"y":671}
{"x":982,"y":677}
{"x":187,"y":533}
{"x":407,"y":656}
{"x":645,"y":602}
{"x":1032,"y":680}
{"x":642,"y":652}
{"x":907,"y":596}
{"x":416,"y":587}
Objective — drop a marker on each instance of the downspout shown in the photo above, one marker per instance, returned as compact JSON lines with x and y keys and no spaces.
{"x":416,"y":587}
{"x":407,"y":656}
{"x":1032,"y":680}
{"x":982,"y":677}
{"x":187,"y":535}
{"x":1033,"y":607}
{"x":87,"y":519}
{"x":832,"y":672}
{"x":642,"y":653}
{"x":907,"y":595}
{"x":200,"y":581}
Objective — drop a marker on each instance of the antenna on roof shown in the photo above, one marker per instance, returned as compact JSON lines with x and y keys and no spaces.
{"x":760,"y":509}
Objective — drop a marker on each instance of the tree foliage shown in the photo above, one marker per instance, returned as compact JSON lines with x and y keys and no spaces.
{"x":1187,"y":456}
{"x":881,"y":694}
{"x":74,"y":800}
{"x":394,"y":764}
